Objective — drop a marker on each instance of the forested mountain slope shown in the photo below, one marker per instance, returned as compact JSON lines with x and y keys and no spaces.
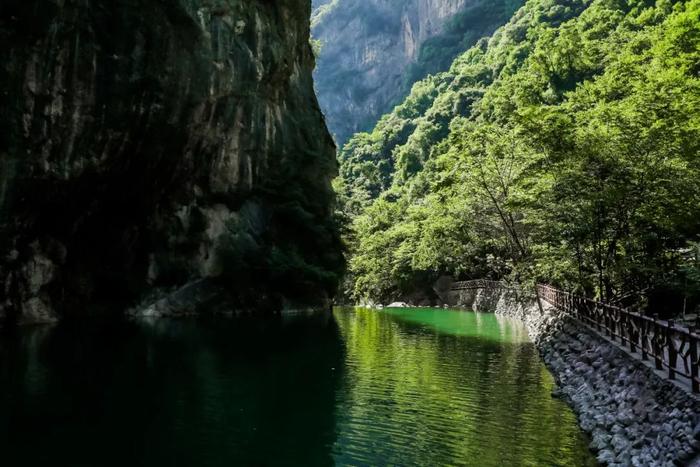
{"x":564,"y":148}
{"x":372,"y":51}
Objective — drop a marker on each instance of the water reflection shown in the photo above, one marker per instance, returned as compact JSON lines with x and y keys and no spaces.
{"x":401,"y":387}
{"x":177,"y":393}
{"x":434,"y":387}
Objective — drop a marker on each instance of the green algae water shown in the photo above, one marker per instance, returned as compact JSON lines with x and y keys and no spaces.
{"x":407,"y":387}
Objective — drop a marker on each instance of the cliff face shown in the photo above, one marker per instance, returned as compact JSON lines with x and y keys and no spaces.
{"x":149,"y":144}
{"x":374,"y":50}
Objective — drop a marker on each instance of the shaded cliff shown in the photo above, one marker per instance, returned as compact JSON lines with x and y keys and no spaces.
{"x":372,"y":51}
{"x":151,"y":144}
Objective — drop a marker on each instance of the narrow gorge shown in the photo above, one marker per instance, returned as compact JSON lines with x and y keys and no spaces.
{"x":350,"y":232}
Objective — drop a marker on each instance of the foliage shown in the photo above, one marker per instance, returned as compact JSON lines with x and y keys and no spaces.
{"x":316,"y":46}
{"x":285,"y":240}
{"x":565,"y":149}
{"x":462,"y":30}
{"x":352,"y":103}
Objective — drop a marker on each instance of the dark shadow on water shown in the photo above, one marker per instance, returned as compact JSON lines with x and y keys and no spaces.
{"x":213,"y":392}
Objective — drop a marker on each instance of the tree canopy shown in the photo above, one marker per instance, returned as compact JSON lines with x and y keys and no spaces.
{"x":563,"y":149}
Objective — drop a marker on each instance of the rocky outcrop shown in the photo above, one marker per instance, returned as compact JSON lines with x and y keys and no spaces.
{"x":152,"y":144}
{"x":374,"y":50}
{"x":633,"y":416}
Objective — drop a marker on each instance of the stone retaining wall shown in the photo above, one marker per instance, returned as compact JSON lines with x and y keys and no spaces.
{"x":633,"y":416}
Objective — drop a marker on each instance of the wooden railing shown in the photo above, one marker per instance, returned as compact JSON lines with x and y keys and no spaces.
{"x":673,"y":348}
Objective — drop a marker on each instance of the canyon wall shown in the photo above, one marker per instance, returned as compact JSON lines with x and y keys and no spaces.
{"x":146,"y":145}
{"x":372,"y":51}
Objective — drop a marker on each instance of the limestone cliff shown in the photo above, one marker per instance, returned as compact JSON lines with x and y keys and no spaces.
{"x":149,"y":144}
{"x":374,"y":50}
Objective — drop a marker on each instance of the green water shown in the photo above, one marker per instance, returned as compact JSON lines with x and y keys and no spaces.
{"x":359,"y":387}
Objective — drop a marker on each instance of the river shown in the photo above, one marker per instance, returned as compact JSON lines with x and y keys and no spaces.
{"x":358,"y":387}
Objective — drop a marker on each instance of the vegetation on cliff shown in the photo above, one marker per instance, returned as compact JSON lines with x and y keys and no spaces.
{"x":373,"y":51}
{"x":565,"y":148}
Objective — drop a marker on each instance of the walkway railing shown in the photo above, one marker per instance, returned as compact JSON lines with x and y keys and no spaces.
{"x":672,"y":348}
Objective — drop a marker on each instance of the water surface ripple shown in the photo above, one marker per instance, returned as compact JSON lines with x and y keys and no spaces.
{"x":359,"y":387}
{"x":438,"y":387}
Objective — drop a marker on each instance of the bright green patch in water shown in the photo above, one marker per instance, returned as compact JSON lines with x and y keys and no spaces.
{"x":460,"y":323}
{"x":360,"y":387}
{"x":439,"y":387}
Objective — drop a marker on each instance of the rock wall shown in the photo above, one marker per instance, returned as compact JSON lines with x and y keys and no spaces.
{"x":634,"y":417}
{"x":369,"y":47}
{"x":150,"y":144}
